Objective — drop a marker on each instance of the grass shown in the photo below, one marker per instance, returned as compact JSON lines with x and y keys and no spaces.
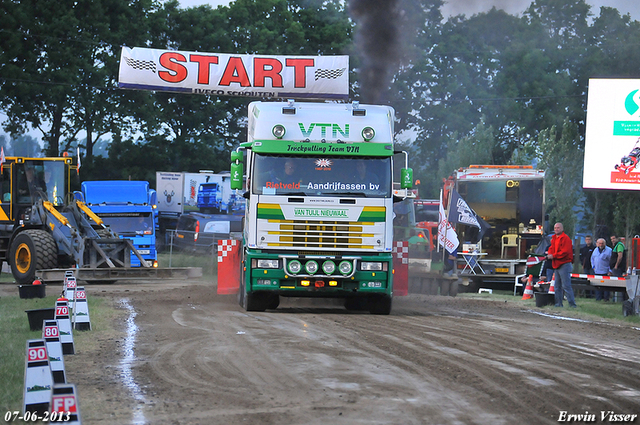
{"x":209,"y":263}
{"x":588,"y":308}
{"x":15,"y":333}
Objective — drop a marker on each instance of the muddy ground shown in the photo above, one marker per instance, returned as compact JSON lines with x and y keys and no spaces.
{"x":184,"y":355}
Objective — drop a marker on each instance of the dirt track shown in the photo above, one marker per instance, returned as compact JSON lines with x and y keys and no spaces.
{"x":200,"y":359}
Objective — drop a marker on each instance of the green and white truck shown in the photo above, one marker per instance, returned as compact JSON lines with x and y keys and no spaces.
{"x":319,"y":211}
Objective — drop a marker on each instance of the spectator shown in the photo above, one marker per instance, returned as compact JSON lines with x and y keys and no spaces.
{"x":618,"y":263}
{"x":600,"y":260}
{"x":585,"y":255}
{"x":585,"y":259}
{"x":561,"y":254}
{"x":450,"y":268}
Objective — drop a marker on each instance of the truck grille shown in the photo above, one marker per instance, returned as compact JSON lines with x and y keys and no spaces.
{"x":365,"y":233}
{"x":321,"y":234}
{"x":327,"y":235}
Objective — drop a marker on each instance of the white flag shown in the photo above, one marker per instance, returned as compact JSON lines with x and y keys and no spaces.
{"x":78,"y":169}
{"x":448,"y":239}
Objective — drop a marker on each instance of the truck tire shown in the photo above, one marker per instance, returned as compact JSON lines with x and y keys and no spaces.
{"x":356,"y":304}
{"x":432,"y":286}
{"x":444,"y":287}
{"x":242,"y":290}
{"x":380,"y":304}
{"x":453,"y":288}
{"x":255,"y":302}
{"x":273,"y":301}
{"x":252,"y":301}
{"x":32,"y":250}
{"x":416,"y":285}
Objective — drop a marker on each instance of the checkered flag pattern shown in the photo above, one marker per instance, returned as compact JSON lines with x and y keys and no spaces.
{"x":224,"y":247}
{"x":140,"y":64}
{"x":330,"y":74}
{"x":401,"y":251}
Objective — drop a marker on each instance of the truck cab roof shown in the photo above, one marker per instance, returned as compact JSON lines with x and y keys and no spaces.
{"x":121,"y":192}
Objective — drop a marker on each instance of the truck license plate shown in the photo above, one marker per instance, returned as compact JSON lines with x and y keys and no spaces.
{"x":502,"y":269}
{"x":144,"y":251}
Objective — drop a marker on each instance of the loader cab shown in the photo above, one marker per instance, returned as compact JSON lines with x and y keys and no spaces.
{"x":25,"y":180}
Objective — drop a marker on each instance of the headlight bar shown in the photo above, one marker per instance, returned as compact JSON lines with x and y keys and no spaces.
{"x":322,"y":271}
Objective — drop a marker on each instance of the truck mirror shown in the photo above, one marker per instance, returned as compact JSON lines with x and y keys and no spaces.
{"x":237,"y":156}
{"x":237,"y":169}
{"x":406,"y":178}
{"x":236,"y":175}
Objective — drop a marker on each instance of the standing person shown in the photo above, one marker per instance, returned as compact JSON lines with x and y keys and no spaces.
{"x":585,"y":259}
{"x":618,"y":258}
{"x":600,"y":260}
{"x":561,"y":254}
{"x":585,"y":255}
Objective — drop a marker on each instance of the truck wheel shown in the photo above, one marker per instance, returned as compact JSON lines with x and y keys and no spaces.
{"x":453,"y":288}
{"x":255,"y":302}
{"x":415,"y":285}
{"x":432,"y":286}
{"x":32,"y":250}
{"x":273,"y":302}
{"x":242,"y":290}
{"x":380,"y":304}
{"x":444,"y":287}
{"x":356,"y":304}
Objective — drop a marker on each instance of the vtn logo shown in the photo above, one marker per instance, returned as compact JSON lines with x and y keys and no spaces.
{"x":632,"y":102}
{"x":335,"y":129}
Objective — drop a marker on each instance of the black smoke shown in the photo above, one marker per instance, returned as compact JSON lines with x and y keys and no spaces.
{"x":377,"y":44}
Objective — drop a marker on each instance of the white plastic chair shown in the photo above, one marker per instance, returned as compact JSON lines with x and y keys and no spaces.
{"x":511,"y":241}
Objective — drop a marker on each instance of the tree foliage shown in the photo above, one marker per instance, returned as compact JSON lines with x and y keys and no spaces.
{"x":562,"y":156}
{"x":488,"y":88}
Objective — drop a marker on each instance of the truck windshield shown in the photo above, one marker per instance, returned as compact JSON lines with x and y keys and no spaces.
{"x":129,"y":224}
{"x":322,"y":176}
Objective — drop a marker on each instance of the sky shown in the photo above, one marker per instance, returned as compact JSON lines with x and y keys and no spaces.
{"x":471,"y":7}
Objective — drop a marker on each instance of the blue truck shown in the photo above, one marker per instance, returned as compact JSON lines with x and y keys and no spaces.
{"x":130,"y":209}
{"x":209,"y":197}
{"x":217,"y":197}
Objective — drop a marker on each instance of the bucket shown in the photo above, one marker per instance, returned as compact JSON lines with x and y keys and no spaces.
{"x":32,"y":291}
{"x":543,"y":298}
{"x":37,"y":316}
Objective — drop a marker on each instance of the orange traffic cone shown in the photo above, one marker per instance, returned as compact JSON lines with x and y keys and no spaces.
{"x":528,"y":290}
{"x":552,"y":285}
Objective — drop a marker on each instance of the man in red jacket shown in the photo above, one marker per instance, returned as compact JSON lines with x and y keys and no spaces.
{"x":561,"y":254}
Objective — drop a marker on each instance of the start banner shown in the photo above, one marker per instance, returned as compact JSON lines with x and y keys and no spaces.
{"x":221,"y":74}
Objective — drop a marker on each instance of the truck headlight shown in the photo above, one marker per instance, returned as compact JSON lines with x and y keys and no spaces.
{"x":345,"y":267}
{"x":328,"y":267}
{"x":368,"y":133}
{"x":278,"y":131}
{"x":371,"y":266}
{"x":264,"y":263}
{"x":311,"y":266}
{"x":294,"y":266}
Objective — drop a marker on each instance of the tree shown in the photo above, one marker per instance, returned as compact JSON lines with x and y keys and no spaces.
{"x":59,"y":66}
{"x":26,"y":146}
{"x":203,"y":130}
{"x":562,"y":157}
